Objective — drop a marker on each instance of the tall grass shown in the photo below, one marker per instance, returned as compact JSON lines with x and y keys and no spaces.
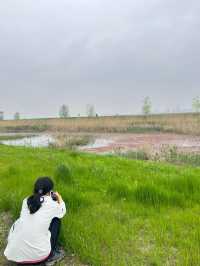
{"x":180,"y":123}
{"x":120,"y":211}
{"x":63,"y":174}
{"x":167,"y":154}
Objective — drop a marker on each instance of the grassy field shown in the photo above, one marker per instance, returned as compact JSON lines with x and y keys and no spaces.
{"x":179,"y":123}
{"x":120,"y":211}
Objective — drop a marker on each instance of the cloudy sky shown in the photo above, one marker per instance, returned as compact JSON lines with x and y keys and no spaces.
{"x":111,"y":53}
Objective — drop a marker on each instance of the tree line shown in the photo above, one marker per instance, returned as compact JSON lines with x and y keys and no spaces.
{"x":64,"y":111}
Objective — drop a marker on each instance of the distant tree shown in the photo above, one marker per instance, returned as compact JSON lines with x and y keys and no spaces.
{"x":90,"y":110}
{"x":147,"y":106}
{"x":17,"y":116}
{"x":64,"y":111}
{"x":196,"y":104}
{"x":1,"y":115}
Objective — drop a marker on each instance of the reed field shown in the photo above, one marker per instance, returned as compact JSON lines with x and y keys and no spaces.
{"x":188,"y":123}
{"x":120,"y":211}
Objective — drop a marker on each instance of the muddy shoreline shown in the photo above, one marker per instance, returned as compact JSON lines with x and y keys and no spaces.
{"x":146,"y":141}
{"x":111,"y":142}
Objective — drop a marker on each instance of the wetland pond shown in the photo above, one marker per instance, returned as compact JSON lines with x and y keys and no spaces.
{"x":106,"y":143}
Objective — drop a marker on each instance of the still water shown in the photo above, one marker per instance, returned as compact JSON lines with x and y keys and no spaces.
{"x":31,"y":141}
{"x":45,"y":140}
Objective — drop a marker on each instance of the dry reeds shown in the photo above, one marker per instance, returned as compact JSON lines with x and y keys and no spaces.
{"x":178,"y":123}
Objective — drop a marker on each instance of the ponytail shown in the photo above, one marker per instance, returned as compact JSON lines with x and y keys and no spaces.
{"x":42,"y":186}
{"x":34,"y":203}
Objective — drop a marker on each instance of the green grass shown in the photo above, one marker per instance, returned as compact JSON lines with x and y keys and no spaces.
{"x":120,"y":211}
{"x":184,"y":158}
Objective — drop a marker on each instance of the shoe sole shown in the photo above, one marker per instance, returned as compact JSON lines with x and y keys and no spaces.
{"x":53,"y":262}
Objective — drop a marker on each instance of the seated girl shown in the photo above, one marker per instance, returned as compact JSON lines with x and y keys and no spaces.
{"x":33,"y":237}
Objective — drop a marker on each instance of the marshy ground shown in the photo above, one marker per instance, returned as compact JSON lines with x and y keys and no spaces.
{"x":151,"y":141}
{"x":106,"y":142}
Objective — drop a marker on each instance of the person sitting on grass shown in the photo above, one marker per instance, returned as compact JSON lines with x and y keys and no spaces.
{"x":33,"y":238}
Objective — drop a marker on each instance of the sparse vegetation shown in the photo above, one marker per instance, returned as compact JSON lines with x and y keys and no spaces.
{"x":17,"y":116}
{"x":167,"y":154}
{"x":1,"y":115}
{"x":196,"y":104}
{"x":120,"y":211}
{"x":147,"y":105}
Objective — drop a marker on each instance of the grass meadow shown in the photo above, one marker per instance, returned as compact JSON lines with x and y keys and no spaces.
{"x":188,"y":123}
{"x":120,"y":211}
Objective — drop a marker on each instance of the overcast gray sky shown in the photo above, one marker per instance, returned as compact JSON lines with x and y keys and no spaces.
{"x":111,"y":53}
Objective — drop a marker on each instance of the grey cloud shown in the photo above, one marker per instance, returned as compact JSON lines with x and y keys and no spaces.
{"x":111,"y":53}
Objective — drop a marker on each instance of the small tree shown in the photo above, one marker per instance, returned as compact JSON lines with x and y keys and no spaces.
{"x":146,"y":108}
{"x":90,"y":110}
{"x":1,"y":115}
{"x":64,"y":111}
{"x":17,"y":116}
{"x":196,"y":104}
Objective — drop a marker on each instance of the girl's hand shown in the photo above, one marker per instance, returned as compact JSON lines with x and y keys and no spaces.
{"x":59,"y":197}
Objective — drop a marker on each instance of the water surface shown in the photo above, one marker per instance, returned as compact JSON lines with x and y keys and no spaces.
{"x":31,"y":141}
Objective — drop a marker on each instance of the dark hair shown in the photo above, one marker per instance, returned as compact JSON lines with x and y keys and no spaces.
{"x":43,"y":185}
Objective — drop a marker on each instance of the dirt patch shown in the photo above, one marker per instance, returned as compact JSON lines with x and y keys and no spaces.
{"x":6,"y":221}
